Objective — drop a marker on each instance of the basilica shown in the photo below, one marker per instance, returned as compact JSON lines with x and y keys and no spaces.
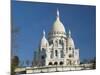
{"x":57,"y":48}
{"x":56,"y":52}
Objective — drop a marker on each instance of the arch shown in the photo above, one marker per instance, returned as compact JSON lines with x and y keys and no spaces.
{"x":56,"y":53}
{"x":42,"y":57}
{"x":51,"y":42}
{"x":61,"y":63}
{"x":50,"y":63}
{"x":62,"y":54}
{"x":70,"y":62}
{"x":69,"y":48}
{"x":55,"y":63}
{"x":60,"y":41}
{"x":51,"y":54}
{"x":70,"y":55}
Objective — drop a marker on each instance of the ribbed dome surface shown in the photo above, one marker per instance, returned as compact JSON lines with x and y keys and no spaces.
{"x":58,"y":26}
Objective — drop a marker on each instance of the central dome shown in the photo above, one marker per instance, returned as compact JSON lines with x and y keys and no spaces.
{"x":58,"y":26}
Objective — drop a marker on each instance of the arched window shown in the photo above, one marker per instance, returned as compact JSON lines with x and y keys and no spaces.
{"x":56,"y":42}
{"x":51,"y":42}
{"x":60,"y":42}
{"x":70,"y":55}
{"x":50,"y":63}
{"x":42,"y":57}
{"x":62,"y":54}
{"x":55,"y":63}
{"x":43,"y":49}
{"x":70,"y":62}
{"x":69,"y":48}
{"x":44,"y":52}
{"x":56,"y":53}
{"x":51,"y":55}
{"x":61,"y":63}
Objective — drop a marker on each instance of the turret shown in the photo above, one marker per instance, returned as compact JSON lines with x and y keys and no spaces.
{"x":70,"y":42}
{"x":44,"y":41}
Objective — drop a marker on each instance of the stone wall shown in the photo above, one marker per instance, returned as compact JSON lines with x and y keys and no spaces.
{"x":45,"y":69}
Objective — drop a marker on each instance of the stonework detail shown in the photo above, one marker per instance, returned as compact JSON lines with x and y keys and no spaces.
{"x":58,"y":48}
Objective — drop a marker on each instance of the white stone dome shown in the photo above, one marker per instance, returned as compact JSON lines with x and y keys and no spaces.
{"x":70,"y":41}
{"x":58,"y":26}
{"x":44,"y":41}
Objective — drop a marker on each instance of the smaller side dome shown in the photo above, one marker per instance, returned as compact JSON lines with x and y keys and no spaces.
{"x":70,"y":41}
{"x":44,"y":41}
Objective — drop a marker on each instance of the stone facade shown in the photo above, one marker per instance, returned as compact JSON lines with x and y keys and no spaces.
{"x":58,"y":49}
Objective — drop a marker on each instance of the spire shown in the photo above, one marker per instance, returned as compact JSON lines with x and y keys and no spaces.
{"x":69,"y":33}
{"x":43,"y":32}
{"x":57,"y":13}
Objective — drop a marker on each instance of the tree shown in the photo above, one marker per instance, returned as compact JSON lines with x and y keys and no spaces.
{"x":93,"y":61}
{"x":14,"y":64}
{"x":14,"y":57}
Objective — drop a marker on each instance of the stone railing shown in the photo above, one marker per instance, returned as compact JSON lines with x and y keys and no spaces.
{"x":44,"y":69}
